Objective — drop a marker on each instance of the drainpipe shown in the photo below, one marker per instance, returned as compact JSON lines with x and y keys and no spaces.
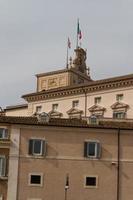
{"x":85,"y":101}
{"x":118,"y":164}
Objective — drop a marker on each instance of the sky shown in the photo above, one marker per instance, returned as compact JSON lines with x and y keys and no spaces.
{"x":33,"y":39}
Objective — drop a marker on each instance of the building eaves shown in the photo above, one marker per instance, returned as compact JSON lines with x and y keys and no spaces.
{"x":14,"y":107}
{"x":62,"y":122}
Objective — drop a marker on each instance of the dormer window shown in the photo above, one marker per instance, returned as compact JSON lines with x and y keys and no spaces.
{"x":97,"y":100}
{"x":54,"y":107}
{"x":119,"y":115}
{"x":119,"y":97}
{"x":75,"y":104}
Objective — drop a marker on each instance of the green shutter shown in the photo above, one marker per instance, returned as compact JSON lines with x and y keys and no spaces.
{"x":98,"y":150}
{"x":30,"y":147}
{"x":85,"y":149}
{"x":44,"y":148}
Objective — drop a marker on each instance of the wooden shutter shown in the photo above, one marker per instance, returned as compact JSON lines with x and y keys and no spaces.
{"x":44,"y":148}
{"x":85,"y":149}
{"x":30,"y":147}
{"x":2,"y":166}
{"x":98,"y":150}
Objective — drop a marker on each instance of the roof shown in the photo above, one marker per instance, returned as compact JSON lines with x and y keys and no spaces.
{"x":53,"y":72}
{"x":16,"y":107}
{"x":61,"y":122}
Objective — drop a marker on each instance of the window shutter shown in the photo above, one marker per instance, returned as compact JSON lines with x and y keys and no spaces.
{"x":2,"y":166}
{"x":44,"y":147}
{"x":98,"y":150}
{"x":85,"y":149}
{"x":30,"y":147}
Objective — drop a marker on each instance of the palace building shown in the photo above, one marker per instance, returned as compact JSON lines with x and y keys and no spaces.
{"x":71,"y":140}
{"x":71,"y":93}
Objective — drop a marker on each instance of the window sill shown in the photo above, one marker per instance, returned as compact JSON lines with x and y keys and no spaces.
{"x":3,"y":178}
{"x":36,"y":157}
{"x":91,"y":187}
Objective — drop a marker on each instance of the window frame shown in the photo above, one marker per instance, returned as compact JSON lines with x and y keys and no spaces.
{"x":97,"y":100}
{"x":40,"y":107}
{"x":97,"y":152}
{"x":119,"y":112}
{"x":5,"y":134}
{"x":119,"y":97}
{"x":34,"y":184}
{"x":91,"y":186}
{"x":55,"y":106}
{"x":75,"y":104}
{"x":42,"y":148}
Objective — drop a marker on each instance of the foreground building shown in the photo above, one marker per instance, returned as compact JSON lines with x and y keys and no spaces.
{"x":66,"y":159}
{"x":71,"y":93}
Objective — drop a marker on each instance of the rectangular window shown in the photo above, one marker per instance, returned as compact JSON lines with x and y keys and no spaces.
{"x":91,"y":181}
{"x":3,"y":133}
{"x":75,"y":103}
{"x":2,"y":166}
{"x":35,"y":179}
{"x":97,"y":100}
{"x":54,"y":107}
{"x":38,"y":109}
{"x":119,"y":97}
{"x":92,"y":149}
{"x":119,"y":115}
{"x":37,"y":147}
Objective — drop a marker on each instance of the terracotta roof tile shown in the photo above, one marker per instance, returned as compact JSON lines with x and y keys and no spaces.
{"x":66,"y":122}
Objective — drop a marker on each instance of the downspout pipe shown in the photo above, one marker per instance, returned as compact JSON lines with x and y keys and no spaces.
{"x":118,"y":164}
{"x":85,"y":108}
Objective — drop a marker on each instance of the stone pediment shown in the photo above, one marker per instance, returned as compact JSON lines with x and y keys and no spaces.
{"x":119,"y":105}
{"x":53,"y":113}
{"x":96,"y":108}
{"x":74,"y":111}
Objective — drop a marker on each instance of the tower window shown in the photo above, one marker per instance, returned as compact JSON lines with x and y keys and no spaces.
{"x":119,"y":97}
{"x":75,"y":103}
{"x":38,"y":109}
{"x":97,"y":100}
{"x":54,"y":107}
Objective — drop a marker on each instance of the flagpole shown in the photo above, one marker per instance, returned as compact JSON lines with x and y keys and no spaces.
{"x":67,"y":57}
{"x":77,"y":32}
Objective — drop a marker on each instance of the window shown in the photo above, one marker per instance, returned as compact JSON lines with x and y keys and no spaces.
{"x":2,"y":166}
{"x":91,"y":181}
{"x":119,"y":97}
{"x":119,"y":115}
{"x":92,"y":149}
{"x":97,"y":100}
{"x":3,"y":133}
{"x":75,"y":104}
{"x":93,"y":119}
{"x":38,"y":109}
{"x":35,"y":179}
{"x":54,"y":107}
{"x":37,"y":147}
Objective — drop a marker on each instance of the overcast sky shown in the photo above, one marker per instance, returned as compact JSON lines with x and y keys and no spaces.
{"x":33,"y":35}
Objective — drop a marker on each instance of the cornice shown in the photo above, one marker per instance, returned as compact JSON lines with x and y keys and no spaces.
{"x":93,"y":86}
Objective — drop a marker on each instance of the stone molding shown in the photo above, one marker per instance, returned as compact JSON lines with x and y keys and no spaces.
{"x":93,"y":86}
